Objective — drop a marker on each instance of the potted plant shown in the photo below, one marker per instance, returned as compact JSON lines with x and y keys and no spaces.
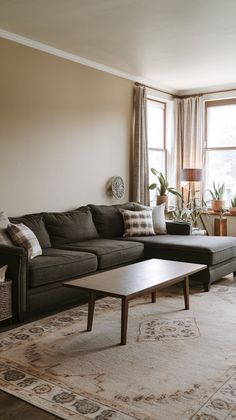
{"x":182,"y":215}
{"x":232,"y":209}
{"x":192,"y":213}
{"x":217,"y":195}
{"x":162,"y":188}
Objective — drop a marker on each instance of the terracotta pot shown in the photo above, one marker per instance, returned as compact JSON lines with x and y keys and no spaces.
{"x":217,"y":205}
{"x":232,"y":211}
{"x":162,"y":199}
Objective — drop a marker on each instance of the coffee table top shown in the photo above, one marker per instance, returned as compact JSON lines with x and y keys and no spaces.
{"x":138,"y":277}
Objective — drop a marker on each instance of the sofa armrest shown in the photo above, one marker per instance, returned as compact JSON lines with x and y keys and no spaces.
{"x":11,"y":250}
{"x":17,"y":260}
{"x":178,"y":228}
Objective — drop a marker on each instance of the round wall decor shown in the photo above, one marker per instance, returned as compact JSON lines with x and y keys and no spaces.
{"x":117,"y":187}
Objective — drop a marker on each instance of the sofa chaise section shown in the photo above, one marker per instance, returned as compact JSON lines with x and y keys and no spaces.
{"x":218,"y":253}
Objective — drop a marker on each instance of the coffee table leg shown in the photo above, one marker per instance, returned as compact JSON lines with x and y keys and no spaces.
{"x":92,"y":298}
{"x":124,"y":320}
{"x":154,"y":297}
{"x":186,"y":292}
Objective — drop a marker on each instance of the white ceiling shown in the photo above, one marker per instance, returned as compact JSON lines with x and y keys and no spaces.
{"x":180,"y":45}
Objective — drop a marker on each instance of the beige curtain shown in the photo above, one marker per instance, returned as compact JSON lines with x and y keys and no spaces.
{"x":140,"y":176}
{"x":189,"y":138}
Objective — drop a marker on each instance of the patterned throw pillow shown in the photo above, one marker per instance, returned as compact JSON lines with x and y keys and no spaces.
{"x":138,"y":223}
{"x":21,"y":235}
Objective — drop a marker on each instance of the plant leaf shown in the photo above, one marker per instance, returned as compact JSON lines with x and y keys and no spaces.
{"x":174,"y":192}
{"x":212,"y":194}
{"x":154,"y":171}
{"x":152,"y":186}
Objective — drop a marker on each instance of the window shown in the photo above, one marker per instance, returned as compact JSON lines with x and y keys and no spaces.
{"x":220,"y":150}
{"x":156,"y":117}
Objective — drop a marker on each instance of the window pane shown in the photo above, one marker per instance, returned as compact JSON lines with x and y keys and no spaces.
{"x":221,"y":126}
{"x":220,"y":167}
{"x":155,"y":121}
{"x":157,"y":161}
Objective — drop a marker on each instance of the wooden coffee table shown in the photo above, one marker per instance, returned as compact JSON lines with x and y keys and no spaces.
{"x":130,"y":281}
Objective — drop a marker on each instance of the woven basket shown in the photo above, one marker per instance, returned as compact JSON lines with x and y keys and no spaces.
{"x":5,"y":300}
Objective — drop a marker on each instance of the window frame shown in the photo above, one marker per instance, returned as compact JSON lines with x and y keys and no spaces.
{"x":209,"y":104}
{"x":158,"y":149}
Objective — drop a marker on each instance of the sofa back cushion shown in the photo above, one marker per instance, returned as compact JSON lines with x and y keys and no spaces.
{"x":108,"y":219}
{"x":35,"y":223}
{"x":71,"y":226}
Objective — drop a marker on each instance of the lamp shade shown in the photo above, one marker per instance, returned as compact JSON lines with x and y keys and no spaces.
{"x":191,"y":174}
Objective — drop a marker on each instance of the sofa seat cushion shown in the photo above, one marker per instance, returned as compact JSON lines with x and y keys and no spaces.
{"x":208,"y":250}
{"x":59,"y":265}
{"x":110,"y":252}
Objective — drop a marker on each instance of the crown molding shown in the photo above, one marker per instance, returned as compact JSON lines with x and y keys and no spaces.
{"x":101,"y":67}
{"x":81,"y":60}
{"x":217,"y":89}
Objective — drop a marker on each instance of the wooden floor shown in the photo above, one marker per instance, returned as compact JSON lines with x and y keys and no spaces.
{"x":12,"y":408}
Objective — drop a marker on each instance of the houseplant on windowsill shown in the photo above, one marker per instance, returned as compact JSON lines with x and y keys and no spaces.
{"x":232,"y":209}
{"x":162,"y":188}
{"x":217,"y":195}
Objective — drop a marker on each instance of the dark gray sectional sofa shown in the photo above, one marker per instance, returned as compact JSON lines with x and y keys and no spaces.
{"x":89,"y":239}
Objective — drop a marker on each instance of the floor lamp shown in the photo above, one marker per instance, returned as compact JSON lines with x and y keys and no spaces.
{"x":191,"y":175}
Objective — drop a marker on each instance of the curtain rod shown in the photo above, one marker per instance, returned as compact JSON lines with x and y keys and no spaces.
{"x":157,"y":90}
{"x":185,"y":96}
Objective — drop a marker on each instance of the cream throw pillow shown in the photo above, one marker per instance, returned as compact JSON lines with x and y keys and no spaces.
{"x":158,"y":217}
{"x":21,"y":235}
{"x":4,"y":222}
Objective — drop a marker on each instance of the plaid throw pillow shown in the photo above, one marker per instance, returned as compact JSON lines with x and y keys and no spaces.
{"x":138,"y":223}
{"x":21,"y":235}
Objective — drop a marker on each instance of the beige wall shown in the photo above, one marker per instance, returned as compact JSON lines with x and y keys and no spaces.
{"x":64,"y":131}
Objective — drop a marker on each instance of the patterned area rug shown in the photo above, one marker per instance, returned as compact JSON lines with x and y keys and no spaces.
{"x":177,"y":364}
